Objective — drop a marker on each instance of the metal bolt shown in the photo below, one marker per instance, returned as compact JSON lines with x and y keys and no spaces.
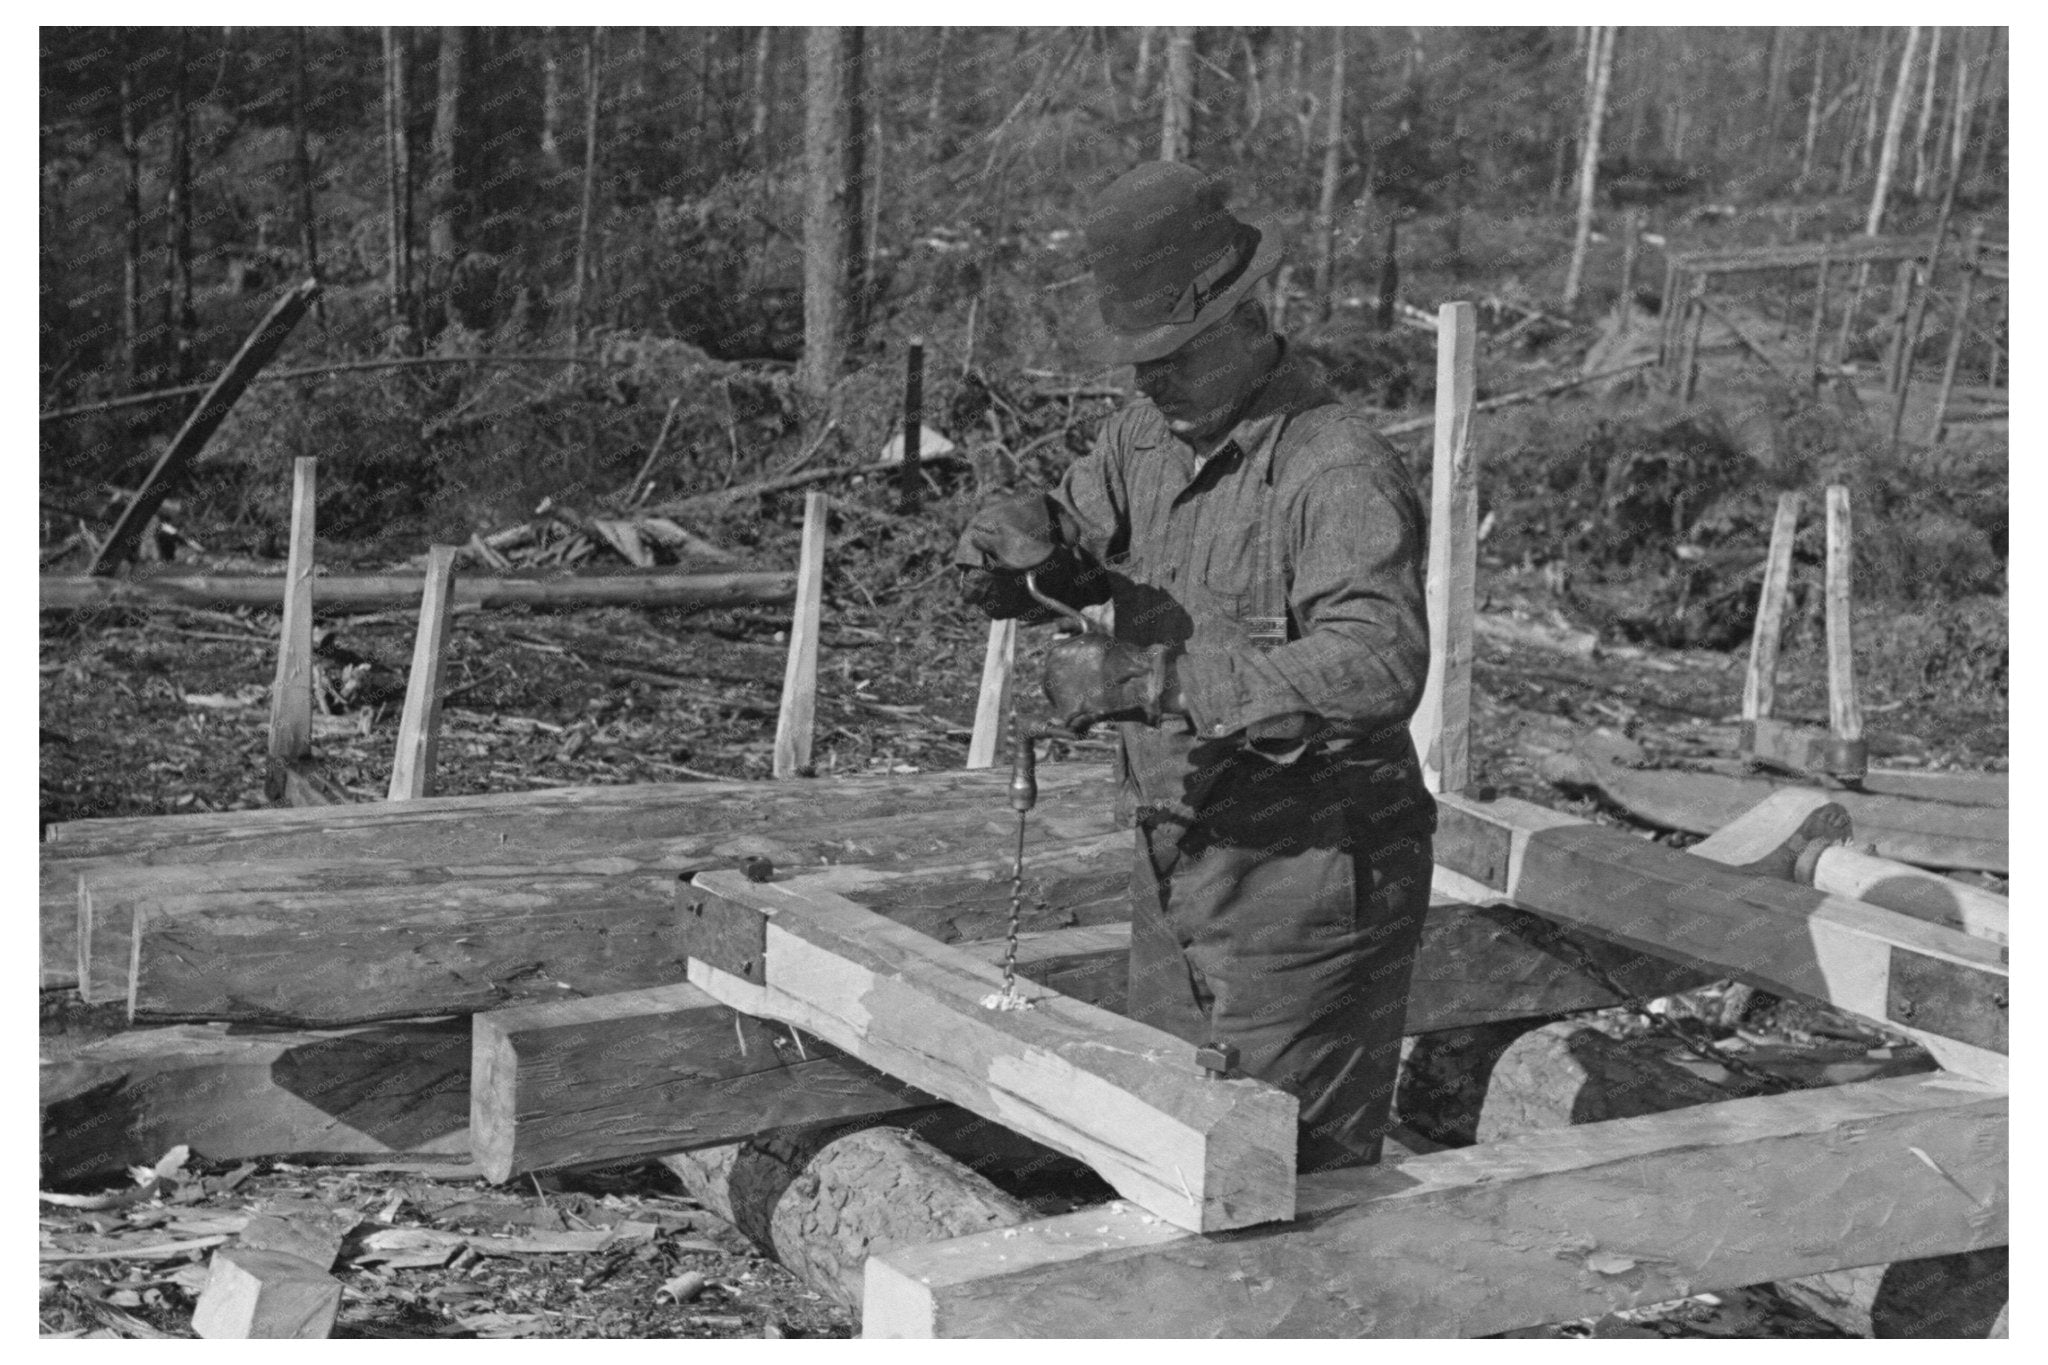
{"x":1999,"y":999}
{"x":1905,"y":1009}
{"x":1218,"y":1060}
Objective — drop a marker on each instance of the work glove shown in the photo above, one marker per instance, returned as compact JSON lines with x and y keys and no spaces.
{"x":1011,"y":536}
{"x":1091,"y":678}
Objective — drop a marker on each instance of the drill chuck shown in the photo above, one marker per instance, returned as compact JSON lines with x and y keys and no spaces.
{"x":1024,"y":773}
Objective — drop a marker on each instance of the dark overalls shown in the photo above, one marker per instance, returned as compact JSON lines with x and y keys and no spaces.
{"x":1283,"y":852}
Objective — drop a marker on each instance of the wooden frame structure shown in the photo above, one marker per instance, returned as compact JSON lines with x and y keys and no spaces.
{"x":860,"y":1006}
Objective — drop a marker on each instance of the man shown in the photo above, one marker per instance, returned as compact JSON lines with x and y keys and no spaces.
{"x":1262,"y":549}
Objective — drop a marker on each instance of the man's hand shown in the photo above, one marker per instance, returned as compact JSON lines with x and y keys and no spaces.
{"x":1014,"y":533}
{"x":1091,"y":678}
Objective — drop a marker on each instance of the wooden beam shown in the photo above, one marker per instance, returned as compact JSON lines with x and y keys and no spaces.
{"x":993,"y":701}
{"x":1760,"y":684}
{"x":412,"y":770}
{"x":669,"y":1069}
{"x":1914,"y":891}
{"x":1845,"y":716}
{"x":256,"y":352}
{"x":1069,"y":791}
{"x":1441,"y":726}
{"x":363,"y":592}
{"x":800,"y":677}
{"x":1472,"y":1241}
{"x":1951,"y":820}
{"x":232,"y":1093}
{"x":1127,"y":1099}
{"x":291,"y":695}
{"x":1942,"y":987}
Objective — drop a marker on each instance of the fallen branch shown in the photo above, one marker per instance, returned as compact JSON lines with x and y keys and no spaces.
{"x":699,"y":501}
{"x":1508,"y":400}
{"x":354,"y":592}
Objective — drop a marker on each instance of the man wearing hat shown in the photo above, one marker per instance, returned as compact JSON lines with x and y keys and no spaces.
{"x":1263,"y":551}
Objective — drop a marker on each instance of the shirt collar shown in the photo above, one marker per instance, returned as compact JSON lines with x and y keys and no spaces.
{"x":1292,"y":385}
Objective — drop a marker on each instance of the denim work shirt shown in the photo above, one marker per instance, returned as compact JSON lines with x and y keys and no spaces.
{"x":1288,"y":567}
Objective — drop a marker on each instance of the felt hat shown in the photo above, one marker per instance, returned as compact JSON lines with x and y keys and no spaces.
{"x":1170,"y":261}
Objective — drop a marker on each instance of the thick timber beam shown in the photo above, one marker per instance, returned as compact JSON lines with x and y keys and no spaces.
{"x":1943,"y":987}
{"x":1129,"y":1100}
{"x":1472,"y":1241}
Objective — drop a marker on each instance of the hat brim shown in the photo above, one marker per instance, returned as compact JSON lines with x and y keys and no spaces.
{"x":1104,"y":347}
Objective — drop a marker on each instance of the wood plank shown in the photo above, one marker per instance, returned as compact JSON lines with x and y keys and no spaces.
{"x":252,"y":1294}
{"x":1441,"y":726}
{"x":992,"y":703}
{"x":419,"y":726}
{"x":1845,"y":716}
{"x":1914,"y":891}
{"x":1473,"y":1241}
{"x":255,"y":352}
{"x":668,"y":1069}
{"x":236,"y":1093}
{"x":1127,"y":1099}
{"x":800,"y":678}
{"x":363,"y":592}
{"x":1760,"y":683}
{"x":291,"y":694}
{"x":1943,"y":987}
{"x":88,"y":912}
{"x":732,"y":805}
{"x":1914,"y":818}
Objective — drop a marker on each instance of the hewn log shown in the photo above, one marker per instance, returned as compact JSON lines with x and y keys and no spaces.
{"x":357,"y":592}
{"x":1130,"y":1101}
{"x":641,"y":1073}
{"x":1946,"y":989}
{"x":234,"y":1093}
{"x":822,"y":1201}
{"x":1480,"y":1240}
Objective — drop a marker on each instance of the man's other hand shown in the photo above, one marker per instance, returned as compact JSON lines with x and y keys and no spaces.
{"x":1092,"y":678}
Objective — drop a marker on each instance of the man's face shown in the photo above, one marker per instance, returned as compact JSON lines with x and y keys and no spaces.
{"x":1199,"y":387}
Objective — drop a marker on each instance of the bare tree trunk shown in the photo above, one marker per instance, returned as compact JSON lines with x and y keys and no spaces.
{"x":1774,"y":79}
{"x":550,"y":96}
{"x":1969,"y":80}
{"x":593,"y":97}
{"x":825,"y":135}
{"x":442,"y":158}
{"x":1981,"y":162}
{"x":1254,"y":95}
{"x":757,"y":133}
{"x":878,"y":143}
{"x":854,"y":60}
{"x":1820,"y":67}
{"x":183,"y":319}
{"x":1177,"y":113}
{"x":1589,"y":160}
{"x":1880,"y":51}
{"x":131,"y":207}
{"x":1333,"y":170}
{"x":398,"y":175}
{"x":1894,"y":123}
{"x":1144,"y":68}
{"x":302,"y":171}
{"x":936,"y":105}
{"x":1920,"y":166}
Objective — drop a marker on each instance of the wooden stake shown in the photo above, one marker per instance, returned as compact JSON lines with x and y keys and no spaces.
{"x":995,"y":694}
{"x":911,"y":487}
{"x":412,"y":771}
{"x":291,"y":695}
{"x":256,"y":352}
{"x":1441,"y":725}
{"x":800,"y":678}
{"x":1695,"y":321}
{"x":1958,"y":328}
{"x":1759,"y":688}
{"x":1820,"y":310}
{"x":1845,"y":718}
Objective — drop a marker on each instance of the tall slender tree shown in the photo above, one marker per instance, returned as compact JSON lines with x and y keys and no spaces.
{"x":1602,"y":72}
{"x":398,"y":176}
{"x":302,"y":171}
{"x":1333,"y":170}
{"x":131,"y":209}
{"x":182,"y":318}
{"x":1820,"y":68}
{"x":854,"y":64}
{"x":825,"y":136}
{"x":551,"y":95}
{"x":593,"y":99}
{"x":1177,"y":110}
{"x":1894,"y":124}
{"x":757,"y":130}
{"x":1921,"y":171}
{"x":444,"y":157}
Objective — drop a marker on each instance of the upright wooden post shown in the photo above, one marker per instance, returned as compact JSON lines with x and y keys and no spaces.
{"x":1959,"y":325}
{"x":1845,"y":717}
{"x":1759,"y":687}
{"x":291,"y":695}
{"x":911,"y":488}
{"x":1820,"y":310}
{"x":995,"y":694}
{"x":1695,"y":322}
{"x":800,"y":677}
{"x":1441,"y":726}
{"x":1631,"y":231}
{"x":412,"y":770}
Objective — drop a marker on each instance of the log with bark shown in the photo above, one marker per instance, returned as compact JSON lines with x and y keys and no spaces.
{"x":358,"y":592}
